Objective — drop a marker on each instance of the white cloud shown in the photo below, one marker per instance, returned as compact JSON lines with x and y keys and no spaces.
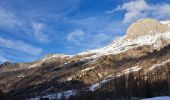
{"x":138,"y":9}
{"x":76,"y":36}
{"x":89,"y":41}
{"x":135,"y":10}
{"x":19,"y":46}
{"x":12,"y":22}
{"x":99,"y":24}
{"x":38,"y":32}
{"x":8,"y":19}
{"x":135,"y":5}
{"x":161,"y":11}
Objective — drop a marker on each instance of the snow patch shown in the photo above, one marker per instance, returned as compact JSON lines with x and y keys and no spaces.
{"x":129,"y":70}
{"x":54,"y":96}
{"x":132,"y":69}
{"x":21,"y":76}
{"x":34,"y":65}
{"x":97,"y":85}
{"x":158,"y":98}
{"x":158,"y":65}
{"x":87,"y":69}
{"x":70,"y":78}
{"x":166,"y":22}
{"x":61,"y":56}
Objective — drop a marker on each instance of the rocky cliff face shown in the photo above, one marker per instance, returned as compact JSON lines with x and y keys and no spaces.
{"x":145,"y":48}
{"x":146,"y":27}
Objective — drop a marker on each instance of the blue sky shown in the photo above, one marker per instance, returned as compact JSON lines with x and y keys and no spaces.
{"x":30,"y":29}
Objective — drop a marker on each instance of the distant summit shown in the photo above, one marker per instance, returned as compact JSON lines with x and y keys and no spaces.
{"x":146,"y":26}
{"x":7,"y":63}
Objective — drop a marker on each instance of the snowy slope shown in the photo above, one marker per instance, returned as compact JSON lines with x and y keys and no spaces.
{"x":166,"y":22}
{"x":124,"y":44}
{"x":158,"y":98}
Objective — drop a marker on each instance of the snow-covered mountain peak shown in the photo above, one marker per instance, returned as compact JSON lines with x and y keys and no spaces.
{"x":143,"y":32}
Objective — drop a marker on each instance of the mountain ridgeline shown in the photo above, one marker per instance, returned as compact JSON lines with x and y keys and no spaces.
{"x":136,"y":65}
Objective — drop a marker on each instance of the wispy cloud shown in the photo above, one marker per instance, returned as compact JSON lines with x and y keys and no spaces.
{"x":19,"y":46}
{"x":161,"y":11}
{"x":38,"y":32}
{"x":76,"y":36}
{"x":140,"y":8}
{"x":89,"y":41}
{"x":8,"y":19}
{"x":98,"y":24}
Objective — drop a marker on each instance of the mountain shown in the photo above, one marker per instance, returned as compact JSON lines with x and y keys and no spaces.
{"x":137,"y":65}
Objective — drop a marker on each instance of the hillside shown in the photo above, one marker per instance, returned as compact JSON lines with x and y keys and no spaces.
{"x":136,"y":65}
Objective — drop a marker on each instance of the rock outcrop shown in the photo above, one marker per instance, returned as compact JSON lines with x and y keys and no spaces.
{"x":146,"y":27}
